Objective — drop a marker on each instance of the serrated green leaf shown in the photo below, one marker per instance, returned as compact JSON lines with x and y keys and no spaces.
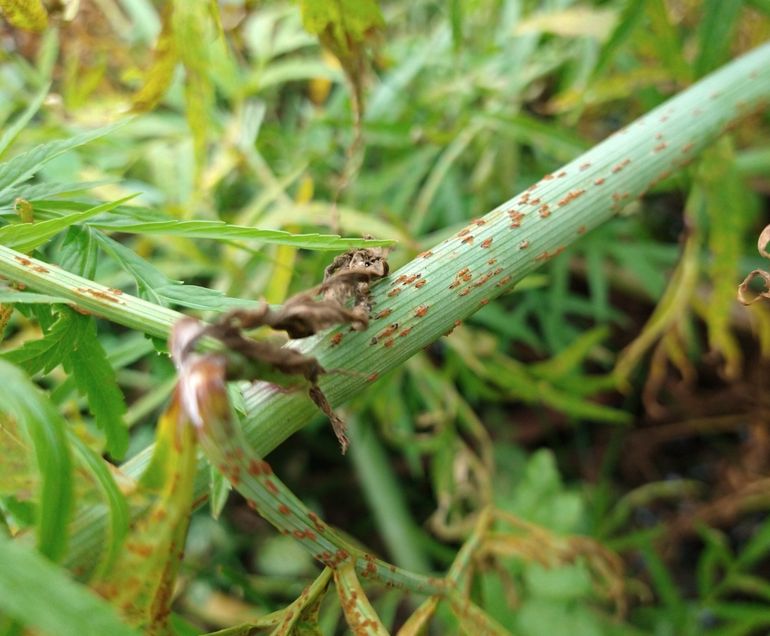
{"x":25,"y":14}
{"x":221,"y":231}
{"x":95,"y":378}
{"x":153,"y":285}
{"x":38,"y":594}
{"x":46,"y":430}
{"x":34,"y":191}
{"x":23,"y":166}
{"x":25,"y":237}
{"x":46,"y":353}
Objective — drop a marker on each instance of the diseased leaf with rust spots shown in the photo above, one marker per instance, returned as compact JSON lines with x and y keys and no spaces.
{"x":29,"y":15}
{"x":141,"y":582}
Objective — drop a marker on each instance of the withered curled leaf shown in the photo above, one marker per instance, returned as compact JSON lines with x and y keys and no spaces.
{"x":748,"y":292}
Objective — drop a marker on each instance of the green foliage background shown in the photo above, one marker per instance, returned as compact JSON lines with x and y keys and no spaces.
{"x":614,"y":401}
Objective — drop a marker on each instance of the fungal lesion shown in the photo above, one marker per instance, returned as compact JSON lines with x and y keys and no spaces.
{"x":343,"y":297}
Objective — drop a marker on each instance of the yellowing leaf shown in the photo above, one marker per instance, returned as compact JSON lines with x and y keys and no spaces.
{"x":29,"y":15}
{"x":141,"y":581}
{"x":161,"y":72}
{"x":575,"y":21}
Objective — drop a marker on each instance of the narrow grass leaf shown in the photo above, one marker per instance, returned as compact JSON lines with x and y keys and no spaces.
{"x":119,"y":518}
{"x":37,"y":593}
{"x":12,"y":131}
{"x":221,"y":231}
{"x":46,"y":431}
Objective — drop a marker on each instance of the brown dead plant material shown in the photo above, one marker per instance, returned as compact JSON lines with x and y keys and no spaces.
{"x":346,"y":280}
{"x":746,"y":294}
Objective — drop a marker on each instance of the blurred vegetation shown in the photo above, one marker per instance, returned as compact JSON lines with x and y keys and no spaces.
{"x":612,"y":410}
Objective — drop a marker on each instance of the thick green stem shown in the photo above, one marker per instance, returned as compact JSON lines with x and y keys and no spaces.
{"x":424,"y":299}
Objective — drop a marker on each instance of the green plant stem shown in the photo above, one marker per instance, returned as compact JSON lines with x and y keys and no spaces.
{"x":461,"y":274}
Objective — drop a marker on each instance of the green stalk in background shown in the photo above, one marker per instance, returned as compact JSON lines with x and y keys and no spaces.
{"x":444,"y":285}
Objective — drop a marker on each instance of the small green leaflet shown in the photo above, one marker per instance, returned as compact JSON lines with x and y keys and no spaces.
{"x":23,"y":166}
{"x":73,"y":343}
{"x":154,"y":286}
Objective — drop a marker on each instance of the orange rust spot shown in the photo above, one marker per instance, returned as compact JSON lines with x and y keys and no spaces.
{"x":39,"y":269}
{"x":479,"y":222}
{"x":298,"y":534}
{"x":259,"y":467}
{"x":455,"y":283}
{"x":427,"y":254}
{"x":24,"y":261}
{"x":464,"y":292}
{"x":420,"y":283}
{"x":336,"y":339}
{"x":543,"y":256}
{"x":463,"y":271}
{"x":142,"y":549}
{"x":372,"y":377}
{"x":545,"y":211}
{"x":571,"y":196}
{"x":468,"y":240}
{"x":581,"y":229}
{"x":421,"y":311}
{"x":535,"y":202}
{"x":660,"y":147}
{"x":394,"y":292}
{"x":271,"y":486}
{"x":486,"y":242}
{"x":563,"y":173}
{"x":482,"y":280}
{"x":467,"y":277}
{"x":388,"y":331}
{"x":388,"y":343}
{"x":116,"y":292}
{"x":284,"y":509}
{"x":405,"y":332}
{"x":547,"y":177}
{"x":503,"y":281}
{"x":383,"y":314}
{"x":491,"y":261}
{"x":524,"y":197}
{"x":687,"y":147}
{"x":497,"y":271}
{"x":523,"y":245}
{"x":599,"y":181}
{"x":464,"y":231}
{"x":484,"y":301}
{"x":316,"y":521}
{"x":585,"y":166}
